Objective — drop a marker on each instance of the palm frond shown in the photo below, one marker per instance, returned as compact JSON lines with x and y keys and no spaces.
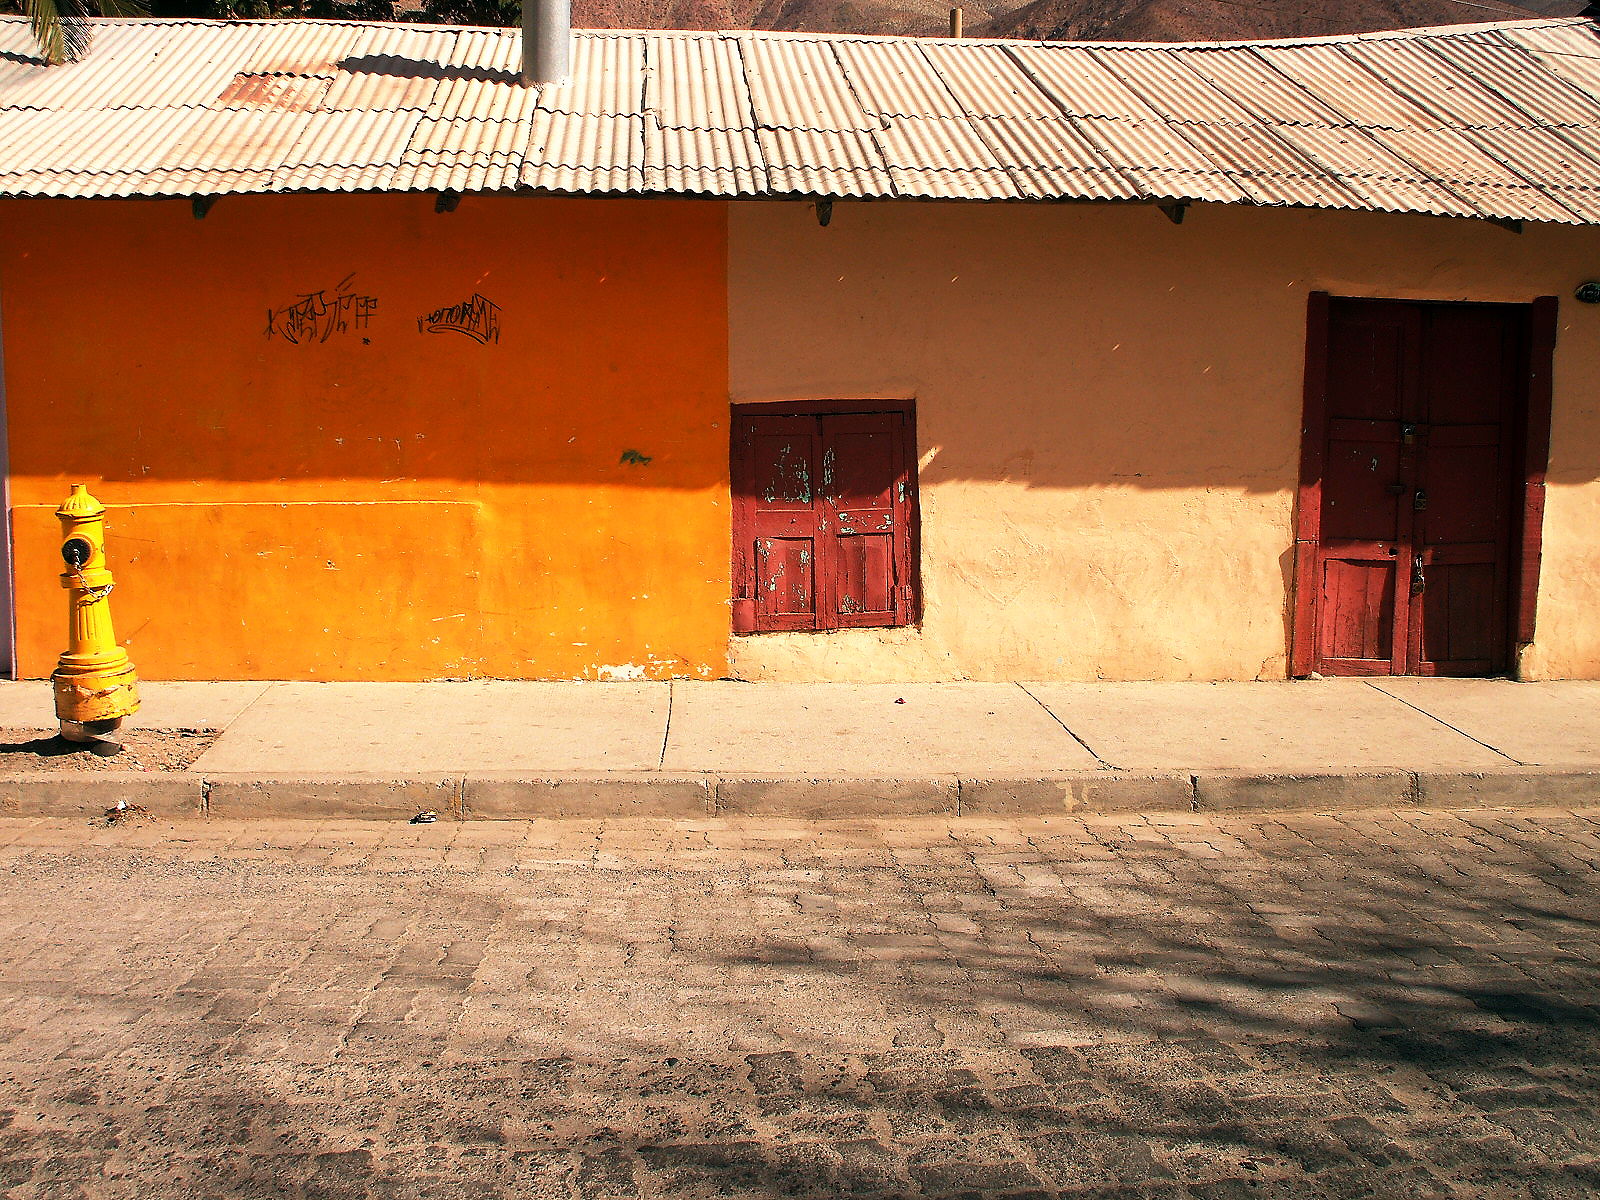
{"x":62,"y":29}
{"x":44,"y":20}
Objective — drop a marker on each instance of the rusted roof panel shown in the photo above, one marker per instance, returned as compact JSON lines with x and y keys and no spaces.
{"x":247,"y":90}
{"x":1495,"y":120}
{"x":372,"y":88}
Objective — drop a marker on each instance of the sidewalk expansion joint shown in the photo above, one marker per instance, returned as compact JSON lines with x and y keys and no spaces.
{"x":1070,"y":731}
{"x":1446,"y":724}
{"x":666,"y":731}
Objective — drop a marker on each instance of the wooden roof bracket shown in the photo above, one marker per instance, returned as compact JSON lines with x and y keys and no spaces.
{"x":200,"y":206}
{"x":1174,"y":210}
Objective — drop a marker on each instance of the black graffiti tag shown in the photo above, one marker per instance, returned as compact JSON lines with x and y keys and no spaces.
{"x":478,"y":318}
{"x":317,"y":316}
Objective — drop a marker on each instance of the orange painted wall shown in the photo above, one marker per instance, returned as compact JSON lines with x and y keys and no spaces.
{"x":388,"y":503}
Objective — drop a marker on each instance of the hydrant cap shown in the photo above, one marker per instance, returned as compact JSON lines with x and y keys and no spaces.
{"x":80,"y":503}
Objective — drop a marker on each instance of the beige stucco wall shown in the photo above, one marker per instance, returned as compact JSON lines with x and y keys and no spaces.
{"x":1108,"y":414}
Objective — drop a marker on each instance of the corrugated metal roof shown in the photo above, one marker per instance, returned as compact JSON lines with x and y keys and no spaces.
{"x":697,"y":82}
{"x":1497,"y":120}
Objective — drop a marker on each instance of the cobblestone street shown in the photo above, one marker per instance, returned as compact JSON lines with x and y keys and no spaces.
{"x":1377,"y":1004}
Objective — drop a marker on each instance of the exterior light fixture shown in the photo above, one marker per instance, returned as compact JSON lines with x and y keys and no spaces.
{"x":1588,"y":293}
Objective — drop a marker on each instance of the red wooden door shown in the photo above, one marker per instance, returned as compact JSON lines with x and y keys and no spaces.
{"x":1419,"y":473}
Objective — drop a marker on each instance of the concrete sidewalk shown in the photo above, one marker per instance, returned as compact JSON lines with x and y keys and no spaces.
{"x":508,"y":749}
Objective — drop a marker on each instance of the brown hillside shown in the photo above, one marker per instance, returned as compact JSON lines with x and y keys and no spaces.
{"x":1111,"y":20}
{"x":1206,"y":20}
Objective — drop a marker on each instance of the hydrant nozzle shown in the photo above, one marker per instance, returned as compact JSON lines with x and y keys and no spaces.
{"x":94,"y":681}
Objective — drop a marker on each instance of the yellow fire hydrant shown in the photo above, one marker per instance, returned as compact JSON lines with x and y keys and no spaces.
{"x":94,"y":681}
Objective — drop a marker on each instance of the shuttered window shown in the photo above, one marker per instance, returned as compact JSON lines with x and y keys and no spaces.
{"x":825,"y":516}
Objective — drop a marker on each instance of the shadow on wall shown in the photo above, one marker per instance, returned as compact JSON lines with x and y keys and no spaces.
{"x":1082,"y":345}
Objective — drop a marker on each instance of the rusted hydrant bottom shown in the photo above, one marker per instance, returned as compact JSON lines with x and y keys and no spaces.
{"x":89,"y":732}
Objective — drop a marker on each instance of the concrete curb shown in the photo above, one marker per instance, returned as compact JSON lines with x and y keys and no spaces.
{"x":377,"y":797}
{"x":1228,"y":792}
{"x":59,"y":794}
{"x":516,"y":796}
{"x":1104,"y":791}
{"x":696,"y":795}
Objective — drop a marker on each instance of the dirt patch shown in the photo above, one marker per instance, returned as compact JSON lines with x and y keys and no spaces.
{"x":142,"y":750}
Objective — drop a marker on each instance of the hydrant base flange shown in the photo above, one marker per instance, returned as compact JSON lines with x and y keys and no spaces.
{"x":94,"y":733}
{"x":97,"y":694}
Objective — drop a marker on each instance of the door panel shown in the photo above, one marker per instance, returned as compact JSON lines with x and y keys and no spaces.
{"x":1420,"y":422}
{"x":1366,"y":516}
{"x":778,"y":556}
{"x":786,"y":580}
{"x":861,"y":468}
{"x":1357,"y":611}
{"x":1458,"y":610}
{"x":1472,"y":356}
{"x":1358,"y":503}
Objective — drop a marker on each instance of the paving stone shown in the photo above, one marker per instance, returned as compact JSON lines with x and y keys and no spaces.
{"x":1178,"y":1005}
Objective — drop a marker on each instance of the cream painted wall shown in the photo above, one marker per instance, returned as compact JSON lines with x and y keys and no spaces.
{"x":1108,"y":414}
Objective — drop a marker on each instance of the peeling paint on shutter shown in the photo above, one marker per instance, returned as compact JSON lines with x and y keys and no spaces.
{"x":825,"y":517}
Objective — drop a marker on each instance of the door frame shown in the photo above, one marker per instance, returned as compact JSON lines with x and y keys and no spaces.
{"x":1533,"y":434}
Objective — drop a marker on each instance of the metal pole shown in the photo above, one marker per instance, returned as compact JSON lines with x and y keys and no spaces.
{"x":546,"y":41}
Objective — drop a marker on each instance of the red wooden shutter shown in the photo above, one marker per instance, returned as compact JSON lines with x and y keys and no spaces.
{"x":775,"y":556}
{"x":863,"y":497}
